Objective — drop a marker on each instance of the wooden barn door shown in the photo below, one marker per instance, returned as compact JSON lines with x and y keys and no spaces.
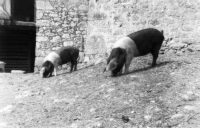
{"x":18,"y":36}
{"x":17,"y":47}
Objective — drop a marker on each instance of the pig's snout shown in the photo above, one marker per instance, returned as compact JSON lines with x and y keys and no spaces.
{"x":42,"y":71}
{"x":112,"y":65}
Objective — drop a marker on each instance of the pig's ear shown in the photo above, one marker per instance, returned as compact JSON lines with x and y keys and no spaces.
{"x":112,"y":65}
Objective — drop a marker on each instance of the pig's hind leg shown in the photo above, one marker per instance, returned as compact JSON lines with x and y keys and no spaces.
{"x":75,"y":65}
{"x":72,"y":66}
{"x":155,"y":53}
{"x":155,"y":56}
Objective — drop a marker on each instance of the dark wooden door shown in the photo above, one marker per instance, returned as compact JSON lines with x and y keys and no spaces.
{"x":17,"y":47}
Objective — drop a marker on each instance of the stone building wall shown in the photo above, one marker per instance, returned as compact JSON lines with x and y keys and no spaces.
{"x":102,"y":22}
{"x":61,"y":23}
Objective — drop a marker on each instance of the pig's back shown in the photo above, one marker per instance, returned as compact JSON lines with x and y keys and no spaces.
{"x":147,"y":39}
{"x":54,"y":58}
{"x":67,"y":54}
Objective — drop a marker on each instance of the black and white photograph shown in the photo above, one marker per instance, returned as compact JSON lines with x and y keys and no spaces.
{"x":99,"y":63}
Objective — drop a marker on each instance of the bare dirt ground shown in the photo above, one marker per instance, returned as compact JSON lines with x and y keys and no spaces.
{"x":167,"y":96}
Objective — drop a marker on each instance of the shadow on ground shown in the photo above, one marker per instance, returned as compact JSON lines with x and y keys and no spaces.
{"x":147,"y":68}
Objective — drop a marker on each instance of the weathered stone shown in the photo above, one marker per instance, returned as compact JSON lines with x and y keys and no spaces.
{"x":171,"y":51}
{"x":39,"y":14}
{"x":65,"y":36}
{"x":50,"y":34}
{"x":43,"y":5}
{"x":59,"y":30}
{"x":72,"y":13}
{"x":40,"y":53}
{"x":55,"y":24}
{"x":82,"y":28}
{"x":41,"y":39}
{"x":73,"y":24}
{"x":53,"y":15}
{"x":179,"y":53}
{"x":55,"y":48}
{"x":43,"y":23}
{"x":75,"y":19}
{"x":56,"y":39}
{"x":83,"y":8}
{"x":68,"y":43}
{"x":57,"y":19}
{"x":65,"y":25}
{"x":78,"y":32}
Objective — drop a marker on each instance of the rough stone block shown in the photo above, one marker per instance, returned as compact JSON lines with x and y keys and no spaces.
{"x":42,"y":23}
{"x":65,"y":36}
{"x":56,"y":39}
{"x":41,"y":39}
{"x":43,"y":5}
{"x":40,"y":53}
{"x":39,"y":15}
{"x":55,"y":48}
{"x":73,"y":24}
{"x":53,"y":15}
{"x":83,"y":8}
{"x":68,"y":43}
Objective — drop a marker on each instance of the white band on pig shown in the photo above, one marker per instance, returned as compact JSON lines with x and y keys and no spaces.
{"x":54,"y":58}
{"x":128,"y":44}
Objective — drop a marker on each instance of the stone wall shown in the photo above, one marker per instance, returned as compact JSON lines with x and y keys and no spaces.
{"x":61,"y":23}
{"x":111,"y":19}
{"x":102,"y":22}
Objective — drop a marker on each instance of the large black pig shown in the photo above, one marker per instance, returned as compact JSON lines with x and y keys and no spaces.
{"x":133,"y":45}
{"x":59,"y":57}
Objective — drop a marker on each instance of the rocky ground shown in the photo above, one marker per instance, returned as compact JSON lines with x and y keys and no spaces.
{"x":167,"y":96}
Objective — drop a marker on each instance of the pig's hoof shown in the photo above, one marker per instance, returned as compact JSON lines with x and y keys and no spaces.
{"x":126,"y":72}
{"x":153,"y":65}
